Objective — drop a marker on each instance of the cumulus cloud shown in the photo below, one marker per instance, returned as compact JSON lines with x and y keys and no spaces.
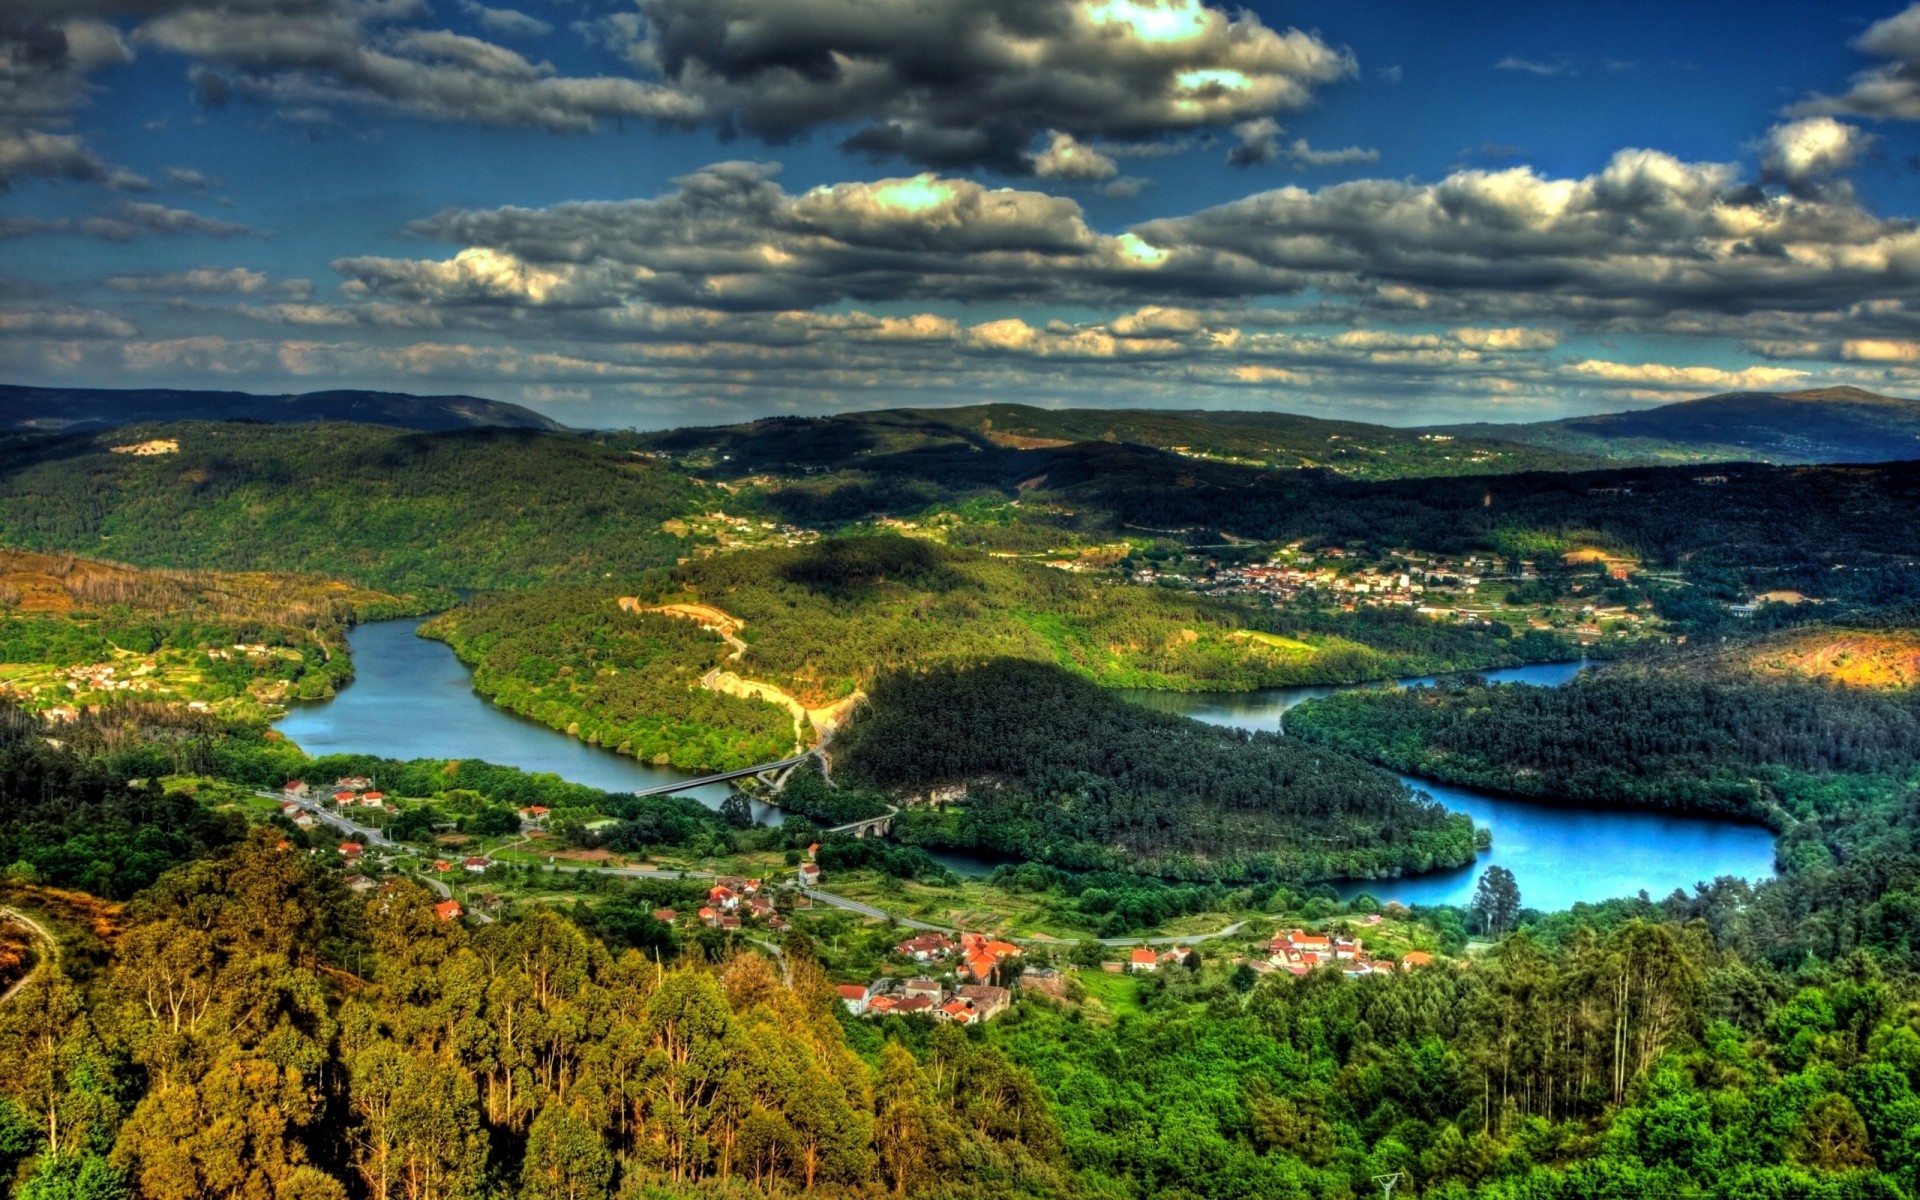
{"x":729,"y":237}
{"x":185,"y":177}
{"x":329,"y":54}
{"x":63,"y":322}
{"x":1067,"y":158}
{"x":1258,"y":142}
{"x":122,"y":222}
{"x":45,"y":58}
{"x":1801,"y":153}
{"x":1648,"y":233}
{"x":1649,"y":239}
{"x":945,"y":83}
{"x":55,"y":156}
{"x":976,"y":82}
{"x":1890,"y":90}
{"x":1689,"y":379}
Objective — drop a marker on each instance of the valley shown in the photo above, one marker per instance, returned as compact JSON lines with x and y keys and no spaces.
{"x":1046,"y":674}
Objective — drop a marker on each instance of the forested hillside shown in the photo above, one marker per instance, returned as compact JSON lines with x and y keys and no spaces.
{"x":821,"y":621}
{"x":382,"y":507}
{"x":53,"y":409}
{"x":1263,"y":439}
{"x":1634,"y":734}
{"x":826,"y":616}
{"x":1062,"y":772}
{"x":248,"y":1026}
{"x":1823,"y":425}
{"x":573,"y":659}
{"x":78,"y":632}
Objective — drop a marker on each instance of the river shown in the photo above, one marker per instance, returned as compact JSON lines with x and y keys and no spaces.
{"x":1560,"y":854}
{"x":411,"y":698}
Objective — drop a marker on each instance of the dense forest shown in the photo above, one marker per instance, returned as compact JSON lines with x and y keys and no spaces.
{"x":247,"y":1027}
{"x":1723,"y":519}
{"x":385,"y":507}
{"x":572,"y":658}
{"x":1833,"y":769}
{"x":1060,"y":771}
{"x":1269,"y":439}
{"x":1634,"y":733}
{"x":825,"y":618}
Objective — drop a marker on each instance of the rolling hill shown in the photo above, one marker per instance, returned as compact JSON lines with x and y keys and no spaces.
{"x":1825,"y":425}
{"x":1249,"y":439}
{"x":44,"y":409}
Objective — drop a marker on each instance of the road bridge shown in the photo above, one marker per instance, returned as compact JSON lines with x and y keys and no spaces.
{"x":724,"y":776}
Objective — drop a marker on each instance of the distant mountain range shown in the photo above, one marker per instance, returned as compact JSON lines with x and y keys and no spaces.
{"x":1826,"y":425}
{"x":62,"y":410}
{"x":915,"y":436}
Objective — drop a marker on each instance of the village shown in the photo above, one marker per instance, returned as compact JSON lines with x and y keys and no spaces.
{"x":60,"y":694}
{"x":949,"y":976}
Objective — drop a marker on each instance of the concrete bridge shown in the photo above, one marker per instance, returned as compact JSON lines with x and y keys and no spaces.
{"x":877,"y":826}
{"x":873,"y":826}
{"x":722,"y":777}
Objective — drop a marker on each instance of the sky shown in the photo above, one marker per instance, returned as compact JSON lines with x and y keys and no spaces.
{"x":648,"y":213}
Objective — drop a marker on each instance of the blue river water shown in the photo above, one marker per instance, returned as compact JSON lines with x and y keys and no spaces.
{"x":411,"y":698}
{"x":1559,"y":854}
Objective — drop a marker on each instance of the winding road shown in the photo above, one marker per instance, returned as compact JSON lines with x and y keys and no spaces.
{"x":373,"y":837}
{"x":46,"y":938}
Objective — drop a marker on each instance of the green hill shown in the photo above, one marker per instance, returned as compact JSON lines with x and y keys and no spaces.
{"x":72,"y":409}
{"x":1826,"y":425}
{"x":1255,"y":439}
{"x":384,"y":507}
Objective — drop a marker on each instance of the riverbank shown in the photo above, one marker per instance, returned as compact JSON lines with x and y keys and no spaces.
{"x":412,"y":698}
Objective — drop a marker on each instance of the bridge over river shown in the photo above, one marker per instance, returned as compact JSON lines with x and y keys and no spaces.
{"x":878,"y":826}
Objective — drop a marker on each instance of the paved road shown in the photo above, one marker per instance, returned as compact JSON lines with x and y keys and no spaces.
{"x":40,"y":931}
{"x":373,"y":837}
{"x":366,"y":834}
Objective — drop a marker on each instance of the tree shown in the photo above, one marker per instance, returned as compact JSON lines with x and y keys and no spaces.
{"x":565,"y":1159}
{"x":736,"y":811}
{"x":84,"y":1176}
{"x":906,"y":1134}
{"x":1496,"y":902}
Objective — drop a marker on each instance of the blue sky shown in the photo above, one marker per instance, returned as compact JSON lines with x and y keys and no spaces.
{"x":1401,"y":213}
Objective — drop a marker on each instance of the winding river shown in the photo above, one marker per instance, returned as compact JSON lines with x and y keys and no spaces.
{"x":411,"y":698}
{"x":1560,"y":854}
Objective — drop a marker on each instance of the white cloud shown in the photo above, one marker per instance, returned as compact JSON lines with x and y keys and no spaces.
{"x":1689,"y":379}
{"x":1532,"y":66}
{"x":1810,"y":149}
{"x":232,"y":281}
{"x":1066,"y":158}
{"x":505,"y":22}
{"x":1891,"y":90}
{"x":1303,"y":155}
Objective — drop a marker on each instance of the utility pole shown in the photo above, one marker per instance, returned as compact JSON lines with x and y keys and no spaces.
{"x":1387,"y":1183}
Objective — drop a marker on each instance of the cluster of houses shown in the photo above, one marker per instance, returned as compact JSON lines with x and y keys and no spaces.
{"x":966,"y":1004}
{"x":729,"y":900}
{"x":447,"y":910}
{"x":253,"y":650}
{"x":1301,"y":953}
{"x":356,"y":798}
{"x":1145,"y":958}
{"x":972,"y":1001}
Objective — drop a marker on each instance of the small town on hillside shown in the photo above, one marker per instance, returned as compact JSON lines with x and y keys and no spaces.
{"x":952,"y":977}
